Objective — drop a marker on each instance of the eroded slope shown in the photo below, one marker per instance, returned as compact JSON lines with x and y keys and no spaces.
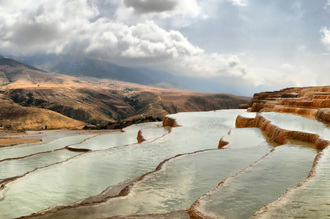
{"x":94,"y":101}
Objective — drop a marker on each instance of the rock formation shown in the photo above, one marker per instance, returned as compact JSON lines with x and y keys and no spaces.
{"x":140,"y":137}
{"x":280,"y":135}
{"x":169,"y":122}
{"x":312,"y":102}
{"x":307,"y":101}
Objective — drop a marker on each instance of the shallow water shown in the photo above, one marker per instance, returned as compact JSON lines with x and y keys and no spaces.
{"x":91,"y":173}
{"x":12,"y":168}
{"x":311,"y":200}
{"x":21,"y":151}
{"x":183,"y":180}
{"x":129,"y":136}
{"x":244,"y":138}
{"x":116,"y":158}
{"x":109,"y":140}
{"x":298,"y":123}
{"x":153,"y":133}
{"x":264,"y":182}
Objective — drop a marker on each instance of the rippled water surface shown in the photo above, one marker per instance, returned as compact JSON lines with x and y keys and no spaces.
{"x":311,"y":200}
{"x":12,"y":168}
{"x":298,"y":123}
{"x":261,"y":184}
{"x":92,"y":172}
{"x":191,"y":169}
{"x":25,"y":150}
{"x":183,"y":180}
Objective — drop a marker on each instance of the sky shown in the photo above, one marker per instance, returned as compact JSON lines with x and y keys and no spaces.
{"x":245,"y":46}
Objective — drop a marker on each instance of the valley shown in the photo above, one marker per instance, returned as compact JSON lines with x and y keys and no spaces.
{"x":41,"y":100}
{"x":174,"y":109}
{"x":259,"y":162}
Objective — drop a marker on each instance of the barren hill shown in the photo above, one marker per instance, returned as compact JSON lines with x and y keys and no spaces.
{"x":79,"y":101}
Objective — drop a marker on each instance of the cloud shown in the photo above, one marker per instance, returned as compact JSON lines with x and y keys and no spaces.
{"x":149,"y":6}
{"x":78,"y":27}
{"x":241,"y":3}
{"x":153,"y":34}
{"x":43,"y":26}
{"x":325,"y":38}
{"x":170,"y":13}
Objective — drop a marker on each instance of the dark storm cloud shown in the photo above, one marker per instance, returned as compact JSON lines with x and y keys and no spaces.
{"x":149,"y":6}
{"x":27,"y":33}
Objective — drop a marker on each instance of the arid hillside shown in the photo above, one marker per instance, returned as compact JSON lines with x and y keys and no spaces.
{"x":69,"y":102}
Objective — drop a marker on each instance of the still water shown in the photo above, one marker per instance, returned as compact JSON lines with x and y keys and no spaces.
{"x":182,"y":180}
{"x":90,"y":173}
{"x":311,"y":200}
{"x":261,"y":184}
{"x":61,"y":142}
{"x":298,"y":123}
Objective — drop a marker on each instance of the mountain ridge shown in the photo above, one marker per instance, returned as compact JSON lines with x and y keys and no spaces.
{"x":96,"y":102}
{"x":88,"y":67}
{"x":97,"y":68}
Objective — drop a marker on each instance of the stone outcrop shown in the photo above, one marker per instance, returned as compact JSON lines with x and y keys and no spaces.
{"x":222,"y":143}
{"x":323,"y":115}
{"x":243,"y":122}
{"x":279,"y":135}
{"x":140,"y":137}
{"x":308,"y":101}
{"x":169,"y":122}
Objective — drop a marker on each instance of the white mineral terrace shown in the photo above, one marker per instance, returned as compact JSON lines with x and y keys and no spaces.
{"x":172,"y":171}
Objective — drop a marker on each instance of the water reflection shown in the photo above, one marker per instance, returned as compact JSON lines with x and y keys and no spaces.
{"x":26,"y":150}
{"x":261,"y":184}
{"x":311,"y":200}
{"x":298,"y":123}
{"x":12,"y":168}
{"x":182,"y":180}
{"x":90,"y":173}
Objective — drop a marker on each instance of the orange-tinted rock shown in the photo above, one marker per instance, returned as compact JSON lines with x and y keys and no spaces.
{"x":242,"y":122}
{"x":267,"y":109}
{"x":321,"y":143}
{"x":222,"y":143}
{"x":256,"y":107}
{"x":323,"y":115}
{"x":140,"y":137}
{"x":167,"y":121}
{"x":304,"y":101}
{"x":321,"y":103}
{"x":279,"y":135}
{"x":300,"y":111}
{"x":288,"y":102}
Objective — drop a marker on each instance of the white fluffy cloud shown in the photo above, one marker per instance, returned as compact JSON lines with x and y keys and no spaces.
{"x":151,"y":33}
{"x":325,"y":38}
{"x":78,"y":27}
{"x":240,"y":2}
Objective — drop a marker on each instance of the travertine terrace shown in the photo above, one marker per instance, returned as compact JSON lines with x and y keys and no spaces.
{"x":308,"y":101}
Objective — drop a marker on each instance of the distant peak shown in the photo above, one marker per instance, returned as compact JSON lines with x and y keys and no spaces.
{"x":14,"y":63}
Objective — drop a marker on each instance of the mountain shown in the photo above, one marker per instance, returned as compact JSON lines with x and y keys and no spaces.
{"x":92,"y":101}
{"x":88,"y":67}
{"x":82,"y":66}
